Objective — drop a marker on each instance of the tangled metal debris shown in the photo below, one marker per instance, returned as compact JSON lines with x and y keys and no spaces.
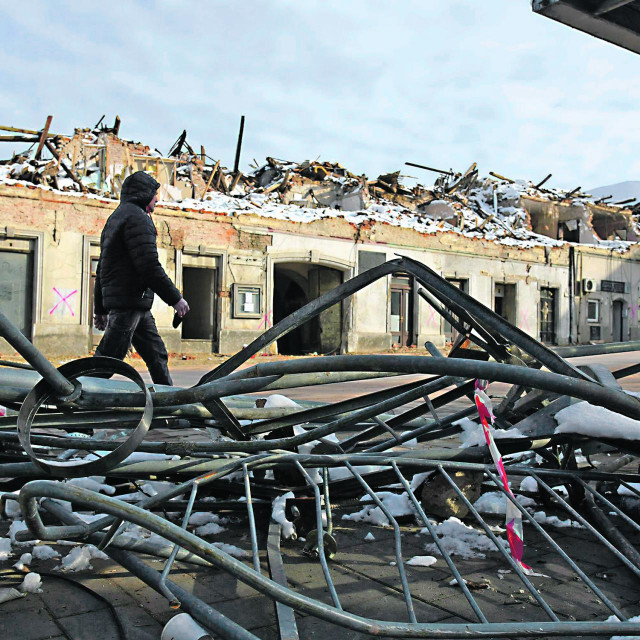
{"x":283,"y":471}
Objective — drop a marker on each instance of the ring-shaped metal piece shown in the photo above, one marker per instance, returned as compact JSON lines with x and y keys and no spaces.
{"x":43,"y":393}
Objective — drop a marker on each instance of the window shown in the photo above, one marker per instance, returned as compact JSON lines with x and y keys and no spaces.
{"x":593,"y":310}
{"x":247,"y":301}
{"x":548,"y":315}
{"x":370,"y":259}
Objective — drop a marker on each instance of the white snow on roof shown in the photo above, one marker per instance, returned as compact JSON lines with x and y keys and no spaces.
{"x":506,"y":226}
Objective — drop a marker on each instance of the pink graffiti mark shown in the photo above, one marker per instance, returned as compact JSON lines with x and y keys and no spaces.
{"x":633,"y":310}
{"x":266,"y":320}
{"x":525,"y":322}
{"x":432,"y":313}
{"x":63,"y":299}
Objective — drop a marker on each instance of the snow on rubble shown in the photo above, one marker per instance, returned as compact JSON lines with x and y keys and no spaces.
{"x":590,"y":420}
{"x":464,"y":204}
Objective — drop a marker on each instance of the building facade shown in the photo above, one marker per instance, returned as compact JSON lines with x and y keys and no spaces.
{"x":241,"y":273}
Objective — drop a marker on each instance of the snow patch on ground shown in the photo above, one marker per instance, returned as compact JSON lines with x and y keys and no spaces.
{"x":496,"y":502}
{"x":31,"y":583}
{"x":542,"y":518}
{"x":461,"y":540}
{"x":278,"y":515}
{"x":279,"y":400}
{"x":422,"y":561}
{"x":17,"y":525}
{"x":209,"y":529}
{"x":5,"y":548}
{"x":24,"y":562}
{"x":198,"y":518}
{"x":44,"y":552}
{"x":616,"y":619}
{"x":94,"y":483}
{"x":397,"y":504}
{"x":79,"y":558}
{"x":12,"y":507}
{"x":419,"y":478}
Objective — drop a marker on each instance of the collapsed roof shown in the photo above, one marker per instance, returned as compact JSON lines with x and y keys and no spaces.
{"x":513,"y":212}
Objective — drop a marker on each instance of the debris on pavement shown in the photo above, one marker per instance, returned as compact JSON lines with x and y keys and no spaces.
{"x":309,"y":503}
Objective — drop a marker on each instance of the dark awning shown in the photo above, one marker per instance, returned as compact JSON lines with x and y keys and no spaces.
{"x":616,"y":21}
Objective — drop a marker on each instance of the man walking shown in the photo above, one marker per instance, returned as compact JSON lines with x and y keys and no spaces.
{"x":128,"y":275}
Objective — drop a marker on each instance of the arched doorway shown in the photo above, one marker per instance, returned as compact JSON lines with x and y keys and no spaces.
{"x":295,"y":284}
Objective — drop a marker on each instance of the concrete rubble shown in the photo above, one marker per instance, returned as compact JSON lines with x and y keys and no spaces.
{"x":517,"y":212}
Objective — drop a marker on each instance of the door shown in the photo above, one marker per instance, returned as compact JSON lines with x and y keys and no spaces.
{"x":328,"y":328}
{"x":504,"y":301}
{"x":16,"y":288}
{"x":96,"y":335}
{"x":399,"y":316}
{"x":616,"y":320}
{"x":450,"y":333}
{"x":199,"y":285}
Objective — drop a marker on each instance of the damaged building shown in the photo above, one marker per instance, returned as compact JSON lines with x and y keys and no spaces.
{"x":248,"y":249}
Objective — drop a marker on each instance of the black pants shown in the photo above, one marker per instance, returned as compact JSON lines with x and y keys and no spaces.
{"x":130,"y":326}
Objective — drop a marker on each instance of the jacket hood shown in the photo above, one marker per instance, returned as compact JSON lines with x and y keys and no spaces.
{"x":139,"y":188}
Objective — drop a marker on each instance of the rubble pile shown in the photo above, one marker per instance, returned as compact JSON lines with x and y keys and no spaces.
{"x":513,"y":212}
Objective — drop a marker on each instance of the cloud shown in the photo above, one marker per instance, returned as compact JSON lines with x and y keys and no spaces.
{"x":368,"y":83}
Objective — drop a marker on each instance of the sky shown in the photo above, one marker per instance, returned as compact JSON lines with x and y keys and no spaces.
{"x":370,"y":84}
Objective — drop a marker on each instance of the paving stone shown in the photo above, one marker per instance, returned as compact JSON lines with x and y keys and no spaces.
{"x":220,"y":585}
{"x":68,"y":599}
{"x":153,"y":602}
{"x":381,"y":569}
{"x":556,"y":568}
{"x":311,"y":627}
{"x":588,"y":552}
{"x":102,"y":584}
{"x":616,"y":577}
{"x":347,"y":536}
{"x":267,"y":633}
{"x":392,"y":607}
{"x":357,"y":591}
{"x":97,"y":625}
{"x":102,"y":625}
{"x":31,"y":602}
{"x":250,"y":613}
{"x":135,"y":617}
{"x":31,"y":625}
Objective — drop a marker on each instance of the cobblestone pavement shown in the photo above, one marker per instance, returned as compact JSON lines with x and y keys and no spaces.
{"x":365,"y":578}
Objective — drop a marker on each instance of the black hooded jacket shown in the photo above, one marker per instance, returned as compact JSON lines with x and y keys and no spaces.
{"x":129,"y":271}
